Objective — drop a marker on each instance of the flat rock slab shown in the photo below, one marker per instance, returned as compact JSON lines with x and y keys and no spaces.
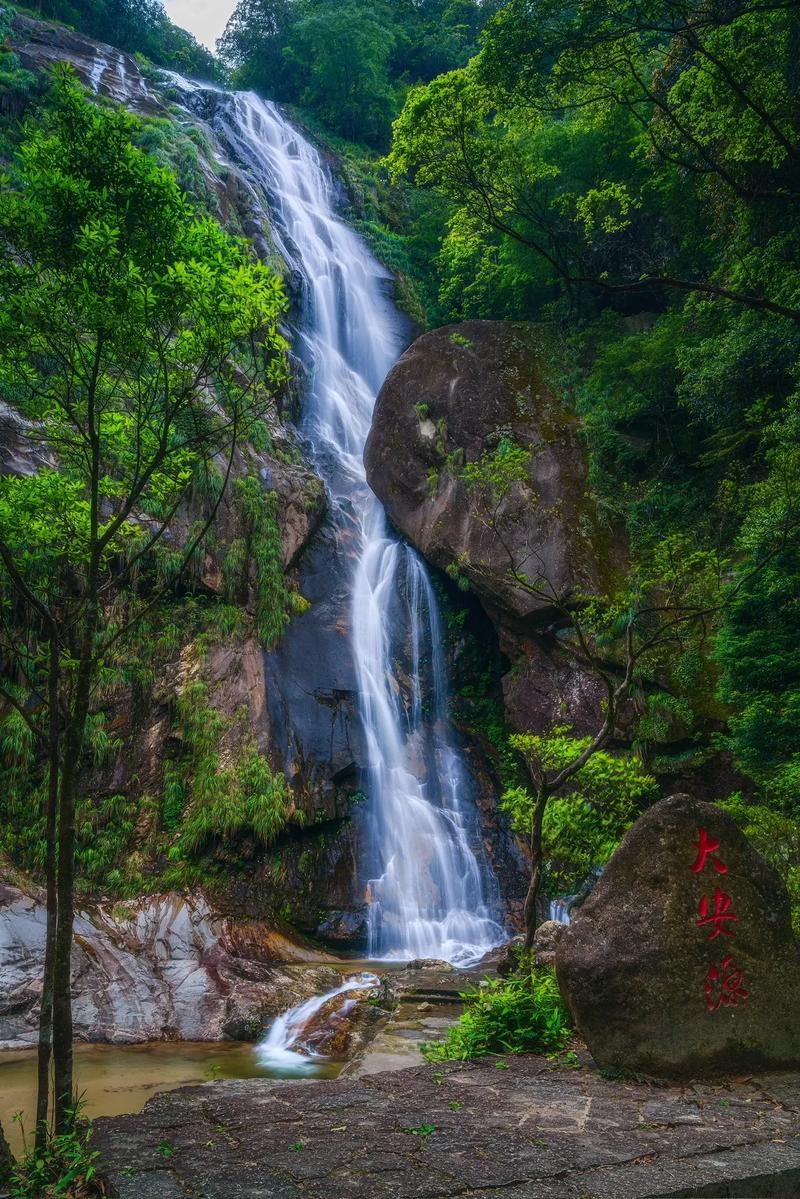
{"x":511,"y":1128}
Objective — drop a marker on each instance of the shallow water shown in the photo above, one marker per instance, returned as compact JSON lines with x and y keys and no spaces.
{"x":119,"y":1079}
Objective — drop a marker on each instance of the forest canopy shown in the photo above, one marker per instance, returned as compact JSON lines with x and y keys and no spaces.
{"x":350,"y":63}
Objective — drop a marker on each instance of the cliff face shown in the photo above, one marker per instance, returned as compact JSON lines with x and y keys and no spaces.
{"x":477,"y":458}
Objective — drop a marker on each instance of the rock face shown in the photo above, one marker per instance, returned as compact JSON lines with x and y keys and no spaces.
{"x":537,"y":1131}
{"x":456,"y":395}
{"x":41,"y":46}
{"x":163,"y":968}
{"x":682,"y":960}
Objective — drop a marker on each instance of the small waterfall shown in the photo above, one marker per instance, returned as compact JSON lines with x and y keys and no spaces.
{"x":277,"y":1051}
{"x":430,"y":890}
{"x":99,"y":68}
{"x":560,"y":909}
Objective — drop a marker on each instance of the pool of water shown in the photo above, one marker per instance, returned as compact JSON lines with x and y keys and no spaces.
{"x":118,"y":1079}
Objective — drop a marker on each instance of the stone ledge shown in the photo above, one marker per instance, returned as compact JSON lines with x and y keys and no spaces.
{"x":532,"y":1129}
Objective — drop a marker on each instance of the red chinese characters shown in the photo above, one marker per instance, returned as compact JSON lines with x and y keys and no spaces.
{"x":724,"y":982}
{"x":705,"y":847}
{"x":715,"y":918}
{"x":725,"y":985}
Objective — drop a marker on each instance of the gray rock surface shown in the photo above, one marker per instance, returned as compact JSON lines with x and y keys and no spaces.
{"x":534,"y":1130}
{"x":161,"y":968}
{"x":41,"y":45}
{"x":546,"y":940}
{"x":682,"y":962}
{"x":456,"y":395}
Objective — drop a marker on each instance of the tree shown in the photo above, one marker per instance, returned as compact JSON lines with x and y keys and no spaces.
{"x":139,"y":345}
{"x":583,"y":822}
{"x":758,"y":646}
{"x":254,"y":42}
{"x":628,"y":642}
{"x":343,"y":54}
{"x":693,"y":106}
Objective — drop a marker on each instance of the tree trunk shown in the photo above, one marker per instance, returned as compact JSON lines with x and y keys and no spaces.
{"x":6,"y":1161}
{"x":540,"y":804}
{"x":46,"y":1012}
{"x":64,"y":1091}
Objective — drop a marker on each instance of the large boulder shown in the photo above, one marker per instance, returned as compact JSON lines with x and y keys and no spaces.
{"x":165,"y":967}
{"x":682,"y":960}
{"x":456,"y":395}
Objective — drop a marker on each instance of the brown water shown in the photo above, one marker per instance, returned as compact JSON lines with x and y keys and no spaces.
{"x":118,"y":1079}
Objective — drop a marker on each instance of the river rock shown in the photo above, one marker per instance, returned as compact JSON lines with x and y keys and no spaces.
{"x":457,"y":394}
{"x":343,"y":1025}
{"x":161,"y":968}
{"x":682,"y":960}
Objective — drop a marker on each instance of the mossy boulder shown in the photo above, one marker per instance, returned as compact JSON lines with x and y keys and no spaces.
{"x":462,"y":395}
{"x":682,"y":961}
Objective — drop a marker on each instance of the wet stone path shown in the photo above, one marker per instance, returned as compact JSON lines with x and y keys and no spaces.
{"x":518,"y":1128}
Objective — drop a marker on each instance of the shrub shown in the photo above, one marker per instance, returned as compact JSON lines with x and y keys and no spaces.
{"x":584,"y":825}
{"x":66,"y":1165}
{"x":521,"y":1014}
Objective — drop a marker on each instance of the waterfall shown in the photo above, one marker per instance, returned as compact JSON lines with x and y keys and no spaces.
{"x":430,"y":891}
{"x":280,"y":1048}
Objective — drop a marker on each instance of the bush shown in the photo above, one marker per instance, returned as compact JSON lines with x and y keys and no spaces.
{"x":66,"y":1166}
{"x":521,"y":1014}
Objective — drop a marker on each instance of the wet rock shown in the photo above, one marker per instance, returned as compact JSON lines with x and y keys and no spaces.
{"x":545,"y":942}
{"x":162,"y":968}
{"x":457,"y":394}
{"x":682,"y":960}
{"x":102,"y":68}
{"x":21,"y":450}
{"x":502,"y":960}
{"x":343,"y":1026}
{"x":345,"y":929}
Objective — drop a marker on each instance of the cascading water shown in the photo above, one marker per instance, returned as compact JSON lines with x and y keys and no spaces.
{"x":431,"y":893}
{"x":280,"y":1049}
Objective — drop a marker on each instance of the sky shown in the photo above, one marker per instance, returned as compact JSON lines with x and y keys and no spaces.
{"x":206,"y":19}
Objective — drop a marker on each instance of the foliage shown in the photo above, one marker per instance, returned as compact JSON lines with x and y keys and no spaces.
{"x":348,"y":63}
{"x":498,"y":470}
{"x":261,"y":547}
{"x":65,"y":1165}
{"x":777,"y":837}
{"x":584,"y":825}
{"x":523,"y":1013}
{"x":222,"y":803}
{"x":14,"y":79}
{"x":759,"y":643}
